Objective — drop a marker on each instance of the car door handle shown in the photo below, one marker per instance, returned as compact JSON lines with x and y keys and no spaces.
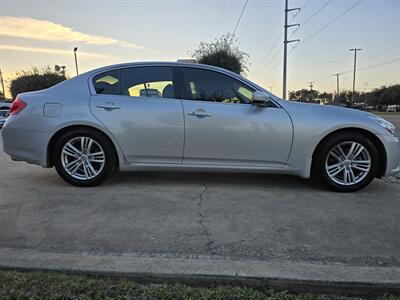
{"x":108,"y":106}
{"x":199,"y":114}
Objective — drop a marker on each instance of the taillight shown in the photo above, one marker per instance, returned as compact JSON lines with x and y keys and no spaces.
{"x":17,"y":106}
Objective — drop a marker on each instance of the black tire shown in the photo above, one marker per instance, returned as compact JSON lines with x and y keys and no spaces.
{"x":320,"y":173}
{"x":110,"y":159}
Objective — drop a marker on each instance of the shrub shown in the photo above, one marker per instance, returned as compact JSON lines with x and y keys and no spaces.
{"x":34,"y":80}
{"x":222,"y":52}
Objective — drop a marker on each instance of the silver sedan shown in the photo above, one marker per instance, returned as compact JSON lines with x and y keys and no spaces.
{"x":192,"y":117}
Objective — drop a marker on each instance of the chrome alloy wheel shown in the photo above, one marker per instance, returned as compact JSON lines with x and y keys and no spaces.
{"x":348,"y":163}
{"x":82,"y":158}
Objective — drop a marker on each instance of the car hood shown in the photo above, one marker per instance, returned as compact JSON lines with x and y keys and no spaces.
{"x":329,"y":117}
{"x":325,"y":109}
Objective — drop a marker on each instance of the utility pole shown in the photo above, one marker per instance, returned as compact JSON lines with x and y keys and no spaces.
{"x":2,"y":84}
{"x":337,"y":84}
{"x":354,"y":73}
{"x":76,"y":60}
{"x":285,"y":43}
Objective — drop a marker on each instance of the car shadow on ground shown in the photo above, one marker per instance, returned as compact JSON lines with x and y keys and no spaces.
{"x":223,"y":179}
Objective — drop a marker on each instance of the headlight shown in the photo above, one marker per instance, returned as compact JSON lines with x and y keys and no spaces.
{"x":387,"y":125}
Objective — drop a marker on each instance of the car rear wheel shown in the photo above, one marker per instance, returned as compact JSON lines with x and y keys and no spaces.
{"x":346,"y":162}
{"x":84,"y":157}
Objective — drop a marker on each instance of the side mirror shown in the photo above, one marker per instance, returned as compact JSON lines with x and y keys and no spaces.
{"x":260,"y":98}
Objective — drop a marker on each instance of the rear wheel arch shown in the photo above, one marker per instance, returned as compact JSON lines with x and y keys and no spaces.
{"x":53,"y":140}
{"x":374,"y":139}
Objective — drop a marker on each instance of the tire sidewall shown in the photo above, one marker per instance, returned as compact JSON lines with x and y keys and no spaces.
{"x":327,"y":146}
{"x":109,"y":164}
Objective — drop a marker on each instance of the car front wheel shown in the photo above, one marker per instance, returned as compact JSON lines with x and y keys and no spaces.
{"x":84,"y":157}
{"x":346,"y":162}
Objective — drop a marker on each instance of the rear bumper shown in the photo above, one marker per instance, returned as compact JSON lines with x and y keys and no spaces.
{"x":25,"y":144}
{"x":392,"y":146}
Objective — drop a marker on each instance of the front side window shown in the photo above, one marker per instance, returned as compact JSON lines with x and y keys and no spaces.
{"x":206,"y":85}
{"x":153,"y":82}
{"x":107,"y":83}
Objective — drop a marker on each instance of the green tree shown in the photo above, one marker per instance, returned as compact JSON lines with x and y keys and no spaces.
{"x":222,"y":52}
{"x":35,"y":79}
{"x":325,"y":97}
{"x":344,"y":98}
{"x":304,"y":95}
{"x":371,"y":99}
{"x":390,"y":95}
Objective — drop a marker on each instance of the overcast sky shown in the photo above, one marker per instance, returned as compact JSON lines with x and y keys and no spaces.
{"x":40,"y":33}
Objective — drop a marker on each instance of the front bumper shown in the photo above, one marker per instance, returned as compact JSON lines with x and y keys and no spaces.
{"x":392,"y":146}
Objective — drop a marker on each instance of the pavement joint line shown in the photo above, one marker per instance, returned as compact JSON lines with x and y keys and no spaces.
{"x":275,"y":274}
{"x":205,"y":230}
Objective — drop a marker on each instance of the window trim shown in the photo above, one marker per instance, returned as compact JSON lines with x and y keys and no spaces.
{"x":177,"y":68}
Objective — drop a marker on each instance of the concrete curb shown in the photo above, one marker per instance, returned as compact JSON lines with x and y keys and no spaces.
{"x":293,"y":276}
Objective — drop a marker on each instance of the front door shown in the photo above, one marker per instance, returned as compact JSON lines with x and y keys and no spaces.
{"x":138,"y":106}
{"x":222,"y":126}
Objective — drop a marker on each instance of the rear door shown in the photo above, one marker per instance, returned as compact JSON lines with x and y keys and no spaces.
{"x":139,"y":107}
{"x":223,"y":127}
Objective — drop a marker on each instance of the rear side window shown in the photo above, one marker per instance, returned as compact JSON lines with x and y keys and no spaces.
{"x":152,"y":82}
{"x":108,"y":83}
{"x":206,"y":85}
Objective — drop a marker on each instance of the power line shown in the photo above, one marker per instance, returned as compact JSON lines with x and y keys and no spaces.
{"x":331,"y":22}
{"x":316,"y":32}
{"x":228,"y":14}
{"x":377,"y":65}
{"x":270,"y":49}
{"x":271,"y":60}
{"x":362,"y":68}
{"x":238,"y":21}
{"x":220,"y":17}
{"x":301,"y":8}
{"x":305,"y":4}
{"x":358,"y":69}
{"x":321,"y":29}
{"x":316,"y":13}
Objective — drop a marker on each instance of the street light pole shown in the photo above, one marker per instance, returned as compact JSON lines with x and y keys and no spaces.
{"x":354,"y":72}
{"x":76,"y":60}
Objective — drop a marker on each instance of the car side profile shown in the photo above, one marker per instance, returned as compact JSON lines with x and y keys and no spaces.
{"x":193,"y":117}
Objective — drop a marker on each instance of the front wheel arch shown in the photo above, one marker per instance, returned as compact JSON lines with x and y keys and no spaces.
{"x":53,"y":140}
{"x":375,"y":140}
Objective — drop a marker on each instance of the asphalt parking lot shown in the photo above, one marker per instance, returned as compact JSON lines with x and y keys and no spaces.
{"x":236,"y":216}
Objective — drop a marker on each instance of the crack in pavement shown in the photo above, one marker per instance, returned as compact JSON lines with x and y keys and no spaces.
{"x":201,"y":219}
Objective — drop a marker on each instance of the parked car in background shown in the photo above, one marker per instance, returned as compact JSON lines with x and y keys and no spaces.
{"x":192,"y":117}
{"x":5,"y":105}
{"x":4,"y":113}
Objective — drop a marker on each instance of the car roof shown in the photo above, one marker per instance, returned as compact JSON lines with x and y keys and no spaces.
{"x":161,"y":63}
